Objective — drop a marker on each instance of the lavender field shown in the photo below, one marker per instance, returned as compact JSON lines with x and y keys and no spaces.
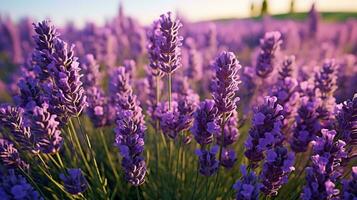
{"x":255,"y":108}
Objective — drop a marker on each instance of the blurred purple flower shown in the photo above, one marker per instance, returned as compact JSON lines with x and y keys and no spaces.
{"x":10,"y":157}
{"x":306,"y":125}
{"x":324,"y":171}
{"x":269,"y":45}
{"x":228,"y":158}
{"x":265,"y":132}
{"x":208,"y":163}
{"x":205,"y":123}
{"x":45,"y":129}
{"x":74,"y":181}
{"x":276,"y":169}
{"x":13,"y":186}
{"x":350,"y":186}
{"x":248,"y":187}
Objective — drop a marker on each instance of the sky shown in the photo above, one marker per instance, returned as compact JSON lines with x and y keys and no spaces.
{"x":81,"y":11}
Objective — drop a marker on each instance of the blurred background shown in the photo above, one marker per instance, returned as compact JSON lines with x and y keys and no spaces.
{"x":82,"y":11}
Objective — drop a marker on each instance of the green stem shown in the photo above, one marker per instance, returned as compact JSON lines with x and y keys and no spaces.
{"x":106,"y":149}
{"x":92,"y":154}
{"x":195,"y":185}
{"x":169,"y":87}
{"x":178,"y":162}
{"x":220,"y":151}
{"x":79,"y":146}
{"x":138,"y":193}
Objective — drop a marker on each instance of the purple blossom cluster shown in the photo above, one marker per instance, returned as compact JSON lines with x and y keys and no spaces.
{"x":324,"y":171}
{"x":269,"y":45}
{"x":180,"y":117}
{"x":350,"y":186}
{"x":168,"y":43}
{"x":248,"y":186}
{"x":265,"y":132}
{"x":74,"y":181}
{"x":14,"y":186}
{"x":276,"y":169}
{"x":9,"y":155}
{"x":130,"y":128}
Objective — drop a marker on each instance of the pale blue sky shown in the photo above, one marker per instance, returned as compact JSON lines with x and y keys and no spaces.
{"x":145,"y":11}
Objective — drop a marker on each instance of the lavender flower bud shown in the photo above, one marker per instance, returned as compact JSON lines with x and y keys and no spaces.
{"x":130,"y":129}
{"x":44,"y":127}
{"x":13,"y":186}
{"x":194,"y":68}
{"x":248,"y":187}
{"x":30,"y":93}
{"x":225,"y":84}
{"x":265,"y":132}
{"x":350,"y":186}
{"x":180,"y":117}
{"x":11,"y":118}
{"x":74,"y":181}
{"x":230,"y":132}
{"x":92,"y":76}
{"x":207,"y":161}
{"x":325,"y":85}
{"x":65,"y":72}
{"x":169,"y":43}
{"x":9,"y":155}
{"x":268,"y":47}
{"x":153,"y":35}
{"x":44,"y":40}
{"x":130,"y":67}
{"x":228,"y":158}
{"x":324,"y":172}
{"x":306,"y":125}
{"x":276,"y":170}
{"x":98,"y":109}
{"x":285,"y":89}
{"x":205,"y":123}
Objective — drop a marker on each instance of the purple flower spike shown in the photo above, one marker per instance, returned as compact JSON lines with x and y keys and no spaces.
{"x":350,"y":186}
{"x":324,"y":171}
{"x":306,"y":125}
{"x":9,"y":156}
{"x":248,"y":187}
{"x":154,"y":54}
{"x":285,"y":89}
{"x":225,"y":84}
{"x":45,"y":36}
{"x":69,"y":93}
{"x":180,"y":117}
{"x":98,"y":108}
{"x":194,"y":69}
{"x":169,"y":43}
{"x":13,"y":186}
{"x":265,"y":132}
{"x":30,"y":92}
{"x":325,"y":86}
{"x":11,"y":118}
{"x":74,"y":181}
{"x":231,"y":132}
{"x":130,"y":128}
{"x":268,"y":47}
{"x":207,"y":161}
{"x":228,"y":158}
{"x":276,"y":170}
{"x":92,"y":76}
{"x":205,"y":124}
{"x":346,"y":124}
{"x":44,"y":127}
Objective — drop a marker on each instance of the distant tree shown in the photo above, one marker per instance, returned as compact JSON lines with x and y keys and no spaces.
{"x":264,"y":9}
{"x":292,"y":6}
{"x":252,"y":9}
